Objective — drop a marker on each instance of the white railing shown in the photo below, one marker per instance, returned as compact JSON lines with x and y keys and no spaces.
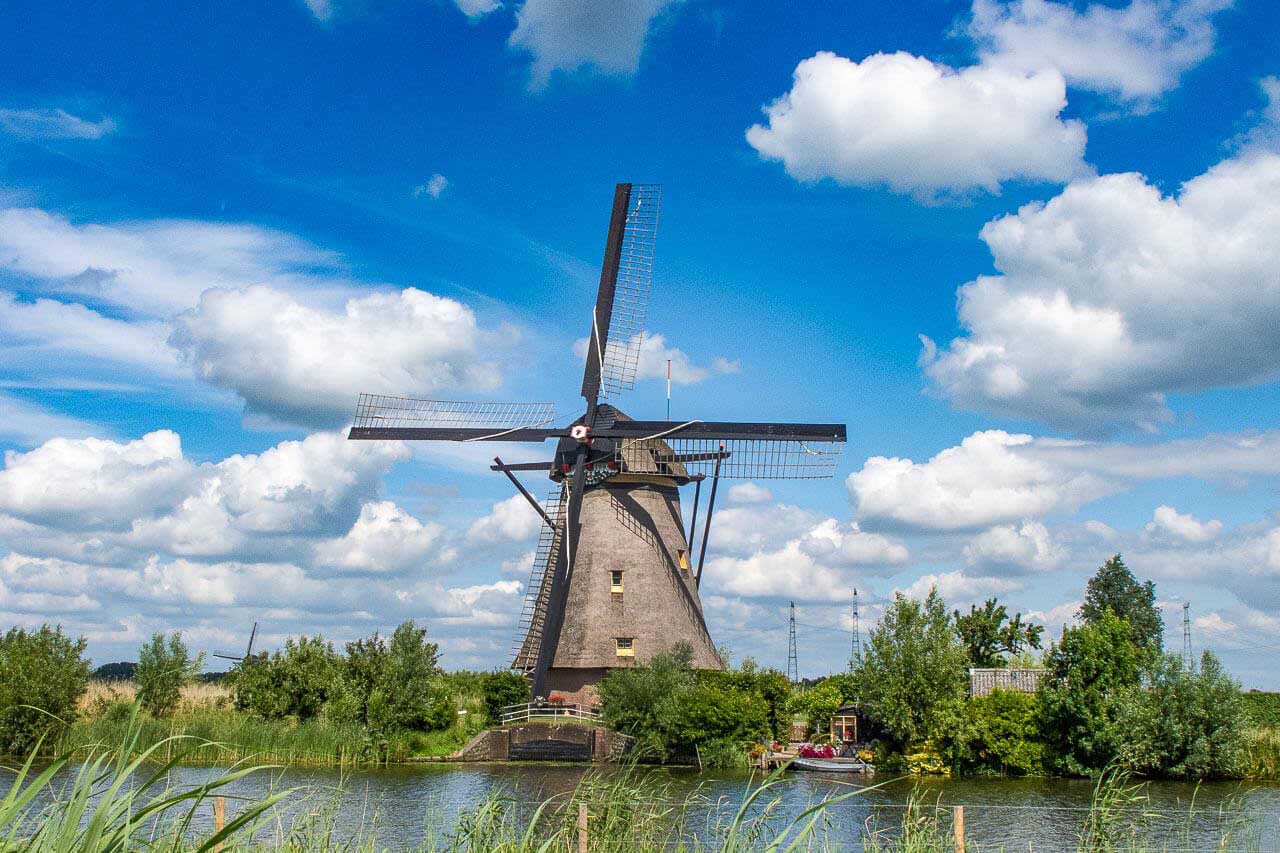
{"x":543,"y":710}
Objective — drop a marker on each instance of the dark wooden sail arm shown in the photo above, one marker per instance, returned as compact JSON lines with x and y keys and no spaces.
{"x":723,"y":431}
{"x":521,"y":466}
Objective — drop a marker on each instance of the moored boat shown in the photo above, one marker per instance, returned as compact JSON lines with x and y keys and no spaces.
{"x":832,"y":765}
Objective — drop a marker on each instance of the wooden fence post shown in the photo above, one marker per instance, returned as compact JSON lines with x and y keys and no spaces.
{"x":958,"y":824}
{"x":219,"y":817}
{"x":582,"y":828}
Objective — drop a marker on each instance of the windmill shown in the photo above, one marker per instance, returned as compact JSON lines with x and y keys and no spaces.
{"x":613,"y":580}
{"x":248,"y":653}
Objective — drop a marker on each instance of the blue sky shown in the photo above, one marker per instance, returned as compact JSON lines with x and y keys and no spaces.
{"x":1024,"y":249}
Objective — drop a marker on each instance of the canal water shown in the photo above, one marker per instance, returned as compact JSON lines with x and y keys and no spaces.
{"x":402,"y":805}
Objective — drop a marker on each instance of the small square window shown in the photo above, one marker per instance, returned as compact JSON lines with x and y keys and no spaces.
{"x":683,"y":558}
{"x":625,"y":647}
{"x":615,"y":580}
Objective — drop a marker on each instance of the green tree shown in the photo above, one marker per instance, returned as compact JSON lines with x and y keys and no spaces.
{"x":43,"y":674}
{"x":999,"y":734}
{"x":395,"y":686}
{"x":644,"y":701}
{"x":1186,"y":724}
{"x":163,"y":670}
{"x":1087,"y":673}
{"x":1115,"y":588}
{"x":912,"y":678}
{"x":989,"y":634}
{"x":294,"y":682}
{"x":501,"y":689}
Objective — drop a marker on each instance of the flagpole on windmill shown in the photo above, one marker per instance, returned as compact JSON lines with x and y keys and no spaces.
{"x":668,"y":390}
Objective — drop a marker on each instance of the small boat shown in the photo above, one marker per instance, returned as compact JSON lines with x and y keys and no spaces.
{"x":832,"y":765}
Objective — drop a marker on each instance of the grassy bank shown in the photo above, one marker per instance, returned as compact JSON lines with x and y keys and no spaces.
{"x":207,"y":728}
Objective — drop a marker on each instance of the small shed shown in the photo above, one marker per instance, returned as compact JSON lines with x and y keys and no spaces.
{"x":844,"y":724}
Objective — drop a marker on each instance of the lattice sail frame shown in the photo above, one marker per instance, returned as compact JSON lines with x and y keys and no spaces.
{"x":377,"y":410}
{"x":528,"y":639}
{"x":746,"y":459}
{"x":631,"y":296}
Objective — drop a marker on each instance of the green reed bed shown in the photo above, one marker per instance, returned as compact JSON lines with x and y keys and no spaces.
{"x":217,"y":735}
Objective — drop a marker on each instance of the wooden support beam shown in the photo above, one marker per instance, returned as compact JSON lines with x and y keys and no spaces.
{"x":520,"y":486}
{"x":706,"y":532}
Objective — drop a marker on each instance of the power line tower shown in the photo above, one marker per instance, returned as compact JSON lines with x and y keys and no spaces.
{"x":793,"y":666}
{"x":1188,"y":658}
{"x":855,"y":656}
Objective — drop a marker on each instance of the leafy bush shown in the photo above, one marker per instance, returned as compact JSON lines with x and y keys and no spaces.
{"x":390,"y":687}
{"x":1262,"y":709}
{"x":44,"y":669}
{"x":912,"y":679}
{"x":999,"y":735}
{"x":501,"y":689}
{"x":819,"y":704}
{"x":671,"y":710}
{"x":295,"y":682}
{"x":1087,"y":672}
{"x":162,"y":671}
{"x":769,"y":686}
{"x":1183,"y":724}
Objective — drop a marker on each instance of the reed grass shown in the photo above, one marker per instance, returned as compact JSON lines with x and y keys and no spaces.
{"x":1262,"y":754}
{"x":99,"y":695}
{"x":210,"y":735}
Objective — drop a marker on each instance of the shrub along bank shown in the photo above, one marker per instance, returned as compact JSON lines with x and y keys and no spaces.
{"x":1110,"y":697}
{"x":382,"y":699}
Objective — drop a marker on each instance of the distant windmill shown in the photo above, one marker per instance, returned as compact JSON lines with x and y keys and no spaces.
{"x":248,"y":653}
{"x":612,"y":580}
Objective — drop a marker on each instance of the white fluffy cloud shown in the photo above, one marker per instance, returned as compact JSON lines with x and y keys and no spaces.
{"x":1015,"y":549}
{"x":815,"y":561}
{"x":52,"y":123}
{"x":749,"y":493}
{"x":307,"y":365}
{"x":95,"y":483}
{"x":995,"y":477}
{"x":120,"y":538}
{"x":958,"y":588}
{"x":384,"y":539}
{"x":156,"y":268}
{"x":510,"y":520}
{"x":1112,"y":295}
{"x":477,"y":8}
{"x":44,"y":336}
{"x":565,"y":35}
{"x":983,"y":481}
{"x":145,"y":496}
{"x":1136,"y":51}
{"x":921,"y":127}
{"x":1167,"y":521}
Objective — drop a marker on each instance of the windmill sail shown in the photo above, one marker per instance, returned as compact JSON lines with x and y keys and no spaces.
{"x":741,"y":458}
{"x":538,"y":592}
{"x":622,"y":304}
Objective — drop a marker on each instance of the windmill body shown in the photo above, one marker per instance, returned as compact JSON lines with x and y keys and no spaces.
{"x":615,"y":579}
